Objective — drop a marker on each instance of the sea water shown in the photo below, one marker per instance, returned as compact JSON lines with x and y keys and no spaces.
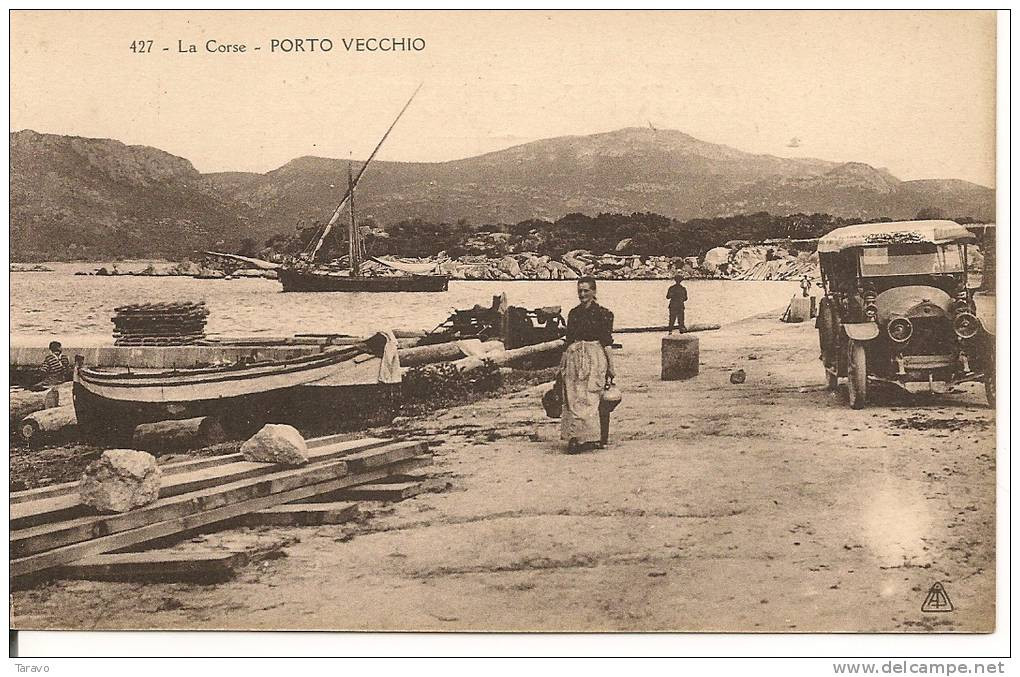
{"x":78,"y":309}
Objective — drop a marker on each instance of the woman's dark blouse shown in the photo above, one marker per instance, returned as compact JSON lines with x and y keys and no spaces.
{"x":593,"y":323}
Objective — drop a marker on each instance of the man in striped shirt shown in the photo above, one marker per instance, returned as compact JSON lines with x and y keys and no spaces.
{"x":56,"y":367}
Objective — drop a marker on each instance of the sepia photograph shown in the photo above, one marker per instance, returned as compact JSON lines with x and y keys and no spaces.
{"x":503,"y":321}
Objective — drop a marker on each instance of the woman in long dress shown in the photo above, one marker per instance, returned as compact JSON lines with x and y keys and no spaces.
{"x":585,"y":368}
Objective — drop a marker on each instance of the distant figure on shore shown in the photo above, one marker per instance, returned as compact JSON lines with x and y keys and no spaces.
{"x":586,"y":368}
{"x":677,"y":295}
{"x":805,"y":286}
{"x":56,"y":366}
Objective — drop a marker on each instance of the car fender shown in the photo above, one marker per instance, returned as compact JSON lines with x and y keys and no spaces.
{"x":984,"y":327}
{"x":861,"y":331}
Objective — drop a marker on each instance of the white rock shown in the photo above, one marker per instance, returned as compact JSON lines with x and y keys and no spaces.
{"x":509,"y":265}
{"x":716,"y":256}
{"x":119,"y":480}
{"x":276,"y":443}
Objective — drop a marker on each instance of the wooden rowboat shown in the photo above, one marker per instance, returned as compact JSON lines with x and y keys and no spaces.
{"x":337,"y":382}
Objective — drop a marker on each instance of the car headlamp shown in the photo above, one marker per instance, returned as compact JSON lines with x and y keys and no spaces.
{"x":966,"y":325}
{"x":900,"y":329}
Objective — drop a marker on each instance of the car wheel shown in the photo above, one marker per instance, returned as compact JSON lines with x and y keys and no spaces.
{"x":990,"y":383}
{"x":857,"y":371}
{"x":828,"y":326}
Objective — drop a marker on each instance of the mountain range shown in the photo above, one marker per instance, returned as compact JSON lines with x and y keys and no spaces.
{"x":74,"y":197}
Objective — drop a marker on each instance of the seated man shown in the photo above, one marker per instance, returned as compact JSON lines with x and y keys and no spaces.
{"x":56,"y":367}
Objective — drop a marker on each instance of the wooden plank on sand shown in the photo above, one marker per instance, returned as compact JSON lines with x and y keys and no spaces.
{"x":45,"y":537}
{"x":157,"y":565}
{"x":396,"y":491}
{"x":303,"y":515}
{"x":68,"y":506}
{"x":372,"y":458}
{"x":46,"y":560}
{"x":189,"y":466}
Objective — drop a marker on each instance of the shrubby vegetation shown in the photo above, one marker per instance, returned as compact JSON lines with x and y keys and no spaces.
{"x":640,"y":233}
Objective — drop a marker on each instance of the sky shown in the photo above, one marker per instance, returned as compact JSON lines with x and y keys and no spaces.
{"x":913,"y":91}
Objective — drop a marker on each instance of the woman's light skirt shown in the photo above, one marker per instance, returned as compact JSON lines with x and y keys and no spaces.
{"x":584,"y":377}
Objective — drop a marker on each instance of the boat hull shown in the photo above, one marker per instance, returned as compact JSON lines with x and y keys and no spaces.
{"x":310,"y":409}
{"x":337,"y":389}
{"x":301,"y":280}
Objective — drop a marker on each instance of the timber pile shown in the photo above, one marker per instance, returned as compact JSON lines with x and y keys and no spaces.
{"x":40,"y":414}
{"x":779,"y":269}
{"x":160,"y":324}
{"x":54,"y":535}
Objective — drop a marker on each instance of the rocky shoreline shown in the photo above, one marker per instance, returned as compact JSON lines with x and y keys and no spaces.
{"x":735,"y":262}
{"x":725,"y":263}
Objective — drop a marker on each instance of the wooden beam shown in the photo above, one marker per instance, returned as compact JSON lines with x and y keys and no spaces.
{"x":188,"y":466}
{"x":178,"y":434}
{"x":31,"y":564}
{"x":157,"y":565}
{"x":303,"y":515}
{"x":390,"y":491}
{"x":45,"y":537}
{"x":68,"y":506}
{"x":372,"y":458}
{"x":697,"y":326}
{"x":50,"y":422}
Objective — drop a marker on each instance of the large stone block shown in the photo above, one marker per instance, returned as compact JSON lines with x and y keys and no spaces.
{"x":119,"y":480}
{"x":680,"y":357}
{"x":276,"y":443}
{"x":799,"y":310}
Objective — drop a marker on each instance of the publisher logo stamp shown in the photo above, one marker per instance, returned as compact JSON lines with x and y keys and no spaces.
{"x":937,"y":600}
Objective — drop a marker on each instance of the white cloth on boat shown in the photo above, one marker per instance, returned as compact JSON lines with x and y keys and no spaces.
{"x":475,"y":348}
{"x":389,"y":365}
{"x":413,"y":268}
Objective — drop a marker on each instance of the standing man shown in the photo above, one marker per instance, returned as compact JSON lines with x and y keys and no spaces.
{"x":677,"y":296}
{"x":805,"y":286}
{"x":56,"y":366}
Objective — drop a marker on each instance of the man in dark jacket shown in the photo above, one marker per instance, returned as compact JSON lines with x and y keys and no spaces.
{"x":677,"y":296}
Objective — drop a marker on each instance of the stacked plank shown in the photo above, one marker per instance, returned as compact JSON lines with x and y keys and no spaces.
{"x":778,"y":269}
{"x":53,"y":534}
{"x":177,"y":323}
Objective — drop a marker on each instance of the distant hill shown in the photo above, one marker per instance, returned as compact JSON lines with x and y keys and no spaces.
{"x":634,"y":169}
{"x":74,"y":197}
{"x":97,"y":194}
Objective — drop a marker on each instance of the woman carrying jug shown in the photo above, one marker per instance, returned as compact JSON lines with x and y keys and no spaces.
{"x":586,"y":368}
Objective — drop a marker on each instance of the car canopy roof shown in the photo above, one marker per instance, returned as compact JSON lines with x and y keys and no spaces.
{"x":895,"y":232}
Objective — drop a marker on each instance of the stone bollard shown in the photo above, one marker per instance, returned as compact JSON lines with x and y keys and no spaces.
{"x":680,"y":357}
{"x":799,"y":310}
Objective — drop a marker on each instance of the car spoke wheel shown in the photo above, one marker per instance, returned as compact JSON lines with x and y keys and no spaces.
{"x":857,"y":371}
{"x":828,"y":326}
{"x":990,"y":382}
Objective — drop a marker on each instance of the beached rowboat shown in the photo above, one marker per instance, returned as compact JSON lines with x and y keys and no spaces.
{"x":339,"y":382}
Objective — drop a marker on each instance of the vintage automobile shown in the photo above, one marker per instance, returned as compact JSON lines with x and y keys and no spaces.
{"x":897,"y":309}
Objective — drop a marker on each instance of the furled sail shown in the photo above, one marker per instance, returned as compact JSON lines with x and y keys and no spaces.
{"x":253,"y":262}
{"x":408,"y":266}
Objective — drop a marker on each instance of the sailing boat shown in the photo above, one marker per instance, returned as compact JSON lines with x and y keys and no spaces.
{"x":308,"y":276}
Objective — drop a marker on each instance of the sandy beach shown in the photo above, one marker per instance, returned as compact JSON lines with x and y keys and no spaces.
{"x":765,"y":506}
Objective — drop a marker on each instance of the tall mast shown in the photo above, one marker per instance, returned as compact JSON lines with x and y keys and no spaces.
{"x":354,"y":237}
{"x":339,"y":207}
